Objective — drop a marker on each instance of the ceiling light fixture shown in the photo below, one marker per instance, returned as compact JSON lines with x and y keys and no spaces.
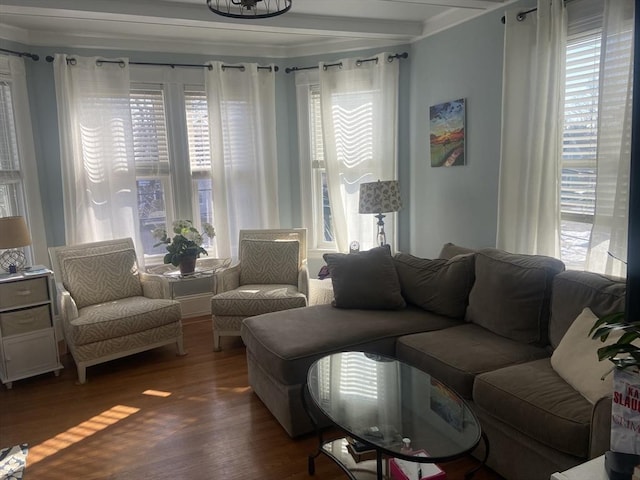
{"x":249,"y":8}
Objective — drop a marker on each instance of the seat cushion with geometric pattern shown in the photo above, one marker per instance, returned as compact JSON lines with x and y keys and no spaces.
{"x":116,"y":273}
{"x":121,"y":317}
{"x":251,"y":300}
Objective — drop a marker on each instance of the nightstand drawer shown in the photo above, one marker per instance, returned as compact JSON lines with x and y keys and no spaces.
{"x":23,"y":321}
{"x":25,"y":292}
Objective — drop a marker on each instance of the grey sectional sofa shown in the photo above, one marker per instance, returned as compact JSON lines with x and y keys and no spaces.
{"x":484,"y":322}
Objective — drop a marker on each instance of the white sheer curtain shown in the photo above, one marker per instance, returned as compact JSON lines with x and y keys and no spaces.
{"x":359,"y":102}
{"x":96,"y":149}
{"x":608,"y":246}
{"x":533,"y":90}
{"x":244,"y":162}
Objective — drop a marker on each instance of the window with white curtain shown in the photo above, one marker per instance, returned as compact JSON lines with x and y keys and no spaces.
{"x":579,"y":147}
{"x":172,"y":157}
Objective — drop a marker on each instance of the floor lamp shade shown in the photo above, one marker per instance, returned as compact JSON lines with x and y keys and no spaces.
{"x":13,"y":234}
{"x":380,"y":197}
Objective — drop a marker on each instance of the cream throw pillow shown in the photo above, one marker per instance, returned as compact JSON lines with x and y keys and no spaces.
{"x":576,"y":359}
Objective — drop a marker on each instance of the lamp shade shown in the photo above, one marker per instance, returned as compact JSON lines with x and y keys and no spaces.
{"x":14,"y":232}
{"x":380,"y":197}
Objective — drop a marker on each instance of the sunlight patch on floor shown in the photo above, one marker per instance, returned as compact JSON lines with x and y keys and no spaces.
{"x":157,"y":393}
{"x":80,"y":432}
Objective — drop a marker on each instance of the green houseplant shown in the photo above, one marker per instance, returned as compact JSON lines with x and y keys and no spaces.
{"x":622,"y":353}
{"x":185,"y":245}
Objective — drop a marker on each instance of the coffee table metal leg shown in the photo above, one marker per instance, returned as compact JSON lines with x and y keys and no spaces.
{"x":311,"y":465}
{"x":473,"y":471}
{"x":379,"y":472}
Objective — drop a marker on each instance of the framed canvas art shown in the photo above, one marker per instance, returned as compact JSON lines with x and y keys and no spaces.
{"x":446,"y":140}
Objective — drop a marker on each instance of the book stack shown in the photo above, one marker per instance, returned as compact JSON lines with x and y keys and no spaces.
{"x":360,"y":451}
{"x":405,"y":470}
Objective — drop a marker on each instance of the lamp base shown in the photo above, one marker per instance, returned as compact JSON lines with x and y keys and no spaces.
{"x":12,"y":260}
{"x":619,"y":466}
{"x":382,"y":236}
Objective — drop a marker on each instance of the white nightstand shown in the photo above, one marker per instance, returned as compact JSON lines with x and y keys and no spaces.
{"x":591,"y":470}
{"x":28,"y":343}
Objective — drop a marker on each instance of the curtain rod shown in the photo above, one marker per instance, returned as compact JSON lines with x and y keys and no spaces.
{"x":32,"y":56}
{"x":172,"y":65}
{"x":521,"y":16}
{"x":339,"y":64}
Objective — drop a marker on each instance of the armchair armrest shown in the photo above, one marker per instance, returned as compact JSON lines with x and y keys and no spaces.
{"x":154,"y":286}
{"x":303,"y":281}
{"x":227,"y":279}
{"x":600,"y":435}
{"x":66,"y":304}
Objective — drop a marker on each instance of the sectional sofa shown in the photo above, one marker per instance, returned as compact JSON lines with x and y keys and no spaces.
{"x":508,"y":332}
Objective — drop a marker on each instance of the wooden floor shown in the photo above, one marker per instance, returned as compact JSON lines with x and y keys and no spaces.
{"x":159,"y":416}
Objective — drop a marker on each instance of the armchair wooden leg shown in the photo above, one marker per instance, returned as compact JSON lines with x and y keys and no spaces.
{"x":180,"y":345}
{"x":82,"y":374}
{"x":216,"y":342}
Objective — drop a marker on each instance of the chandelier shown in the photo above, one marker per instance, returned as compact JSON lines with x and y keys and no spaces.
{"x":249,"y":8}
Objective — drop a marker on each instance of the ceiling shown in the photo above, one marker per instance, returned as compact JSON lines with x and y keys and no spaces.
{"x":187,"y":26}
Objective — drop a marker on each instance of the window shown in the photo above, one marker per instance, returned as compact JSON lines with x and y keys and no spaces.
{"x":172,"y":158}
{"x":11,"y":202}
{"x":579,"y":147}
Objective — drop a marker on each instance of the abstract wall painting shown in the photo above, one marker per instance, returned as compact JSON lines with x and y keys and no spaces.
{"x":447,"y":136}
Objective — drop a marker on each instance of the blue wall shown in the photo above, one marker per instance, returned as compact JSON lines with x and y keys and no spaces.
{"x":441,"y":204}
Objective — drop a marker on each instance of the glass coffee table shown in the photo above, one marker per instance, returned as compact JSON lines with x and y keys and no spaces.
{"x":387,"y":409}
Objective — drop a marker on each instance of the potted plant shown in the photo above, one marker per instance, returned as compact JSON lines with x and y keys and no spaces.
{"x":186,"y":244}
{"x":624,"y":353}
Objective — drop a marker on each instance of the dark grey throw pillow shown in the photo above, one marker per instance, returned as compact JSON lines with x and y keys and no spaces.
{"x":441,"y":286}
{"x":366,"y":279}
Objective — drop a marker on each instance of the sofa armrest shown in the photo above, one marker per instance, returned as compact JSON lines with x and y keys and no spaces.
{"x":227,"y":279}
{"x":600,"y":437}
{"x":66,"y":304}
{"x":303,"y":281}
{"x":154,"y":286}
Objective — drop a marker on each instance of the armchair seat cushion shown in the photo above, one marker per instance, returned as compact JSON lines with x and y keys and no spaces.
{"x":533,"y":399}
{"x":120,"y":318}
{"x":251,"y":300}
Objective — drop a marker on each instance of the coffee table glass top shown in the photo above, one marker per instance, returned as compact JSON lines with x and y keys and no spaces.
{"x":381,"y":400}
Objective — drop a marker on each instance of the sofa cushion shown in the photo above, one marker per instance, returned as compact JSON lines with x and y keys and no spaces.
{"x":511,"y":294}
{"x":533,"y":399}
{"x":116,"y":272}
{"x":440,"y":286}
{"x":574,"y":290}
{"x":249,"y":300}
{"x":366,"y":279}
{"x":576,"y":359}
{"x":120,"y":318}
{"x":456,"y":355}
{"x":291,"y":340}
{"x":449,"y":250}
{"x":269,"y":262}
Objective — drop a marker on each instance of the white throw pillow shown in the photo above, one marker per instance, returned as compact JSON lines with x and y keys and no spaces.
{"x":576,"y":359}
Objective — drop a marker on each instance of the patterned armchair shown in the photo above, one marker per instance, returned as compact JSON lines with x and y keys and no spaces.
{"x":109,"y":308}
{"x":271,"y":275}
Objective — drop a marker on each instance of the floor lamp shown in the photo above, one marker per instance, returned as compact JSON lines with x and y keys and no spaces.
{"x":380,"y":197}
{"x":13,"y":235}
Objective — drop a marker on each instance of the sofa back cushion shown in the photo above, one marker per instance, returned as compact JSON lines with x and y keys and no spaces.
{"x":103,"y":277}
{"x":450,"y":250}
{"x":512,"y":293}
{"x":366,"y":279}
{"x":269,"y":262}
{"x":574,"y":290}
{"x":440,"y":286}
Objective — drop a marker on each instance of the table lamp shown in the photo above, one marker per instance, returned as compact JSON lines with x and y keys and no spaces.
{"x":13,"y":235}
{"x":380,"y":197}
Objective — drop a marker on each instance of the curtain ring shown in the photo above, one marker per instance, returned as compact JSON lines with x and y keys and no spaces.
{"x":99,"y":63}
{"x":122,"y":64}
{"x":324,"y":67}
{"x":521,"y":16}
{"x":242,"y":69}
{"x":72,"y":61}
{"x":209,"y":67}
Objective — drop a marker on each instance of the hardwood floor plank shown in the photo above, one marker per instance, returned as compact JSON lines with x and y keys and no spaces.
{"x":156,"y":415}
